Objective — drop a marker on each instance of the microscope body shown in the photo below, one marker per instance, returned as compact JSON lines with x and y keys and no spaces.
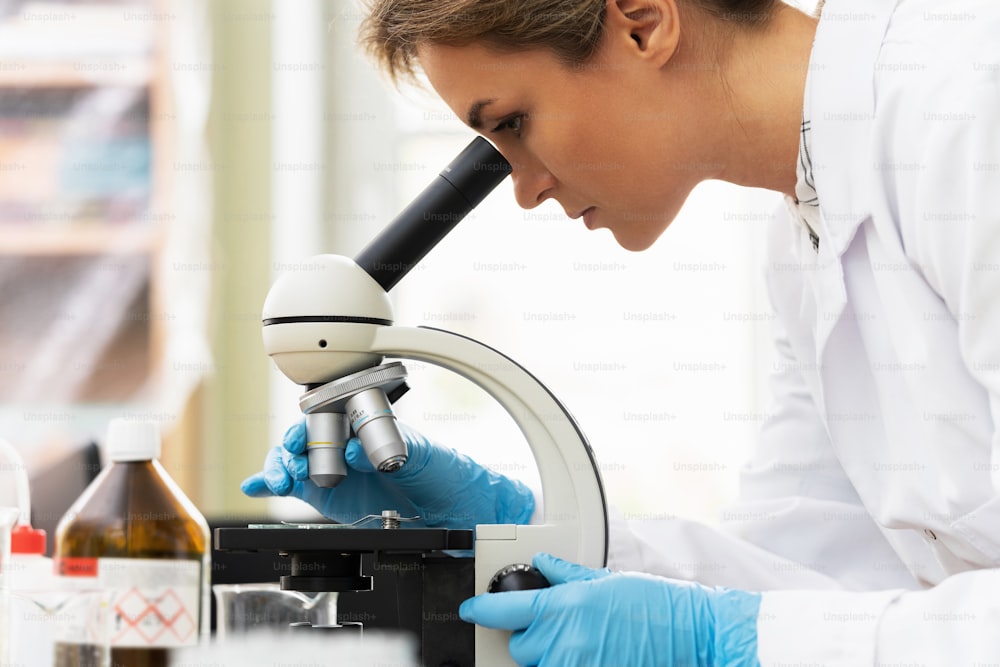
{"x":328,"y":326}
{"x":348,"y":338}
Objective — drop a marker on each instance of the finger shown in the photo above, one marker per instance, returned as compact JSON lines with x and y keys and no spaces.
{"x":503,"y":611}
{"x":297,"y":465}
{"x":255,"y":487}
{"x":559,"y":571}
{"x":275,"y":476}
{"x":295,"y":438}
{"x":356,"y":457}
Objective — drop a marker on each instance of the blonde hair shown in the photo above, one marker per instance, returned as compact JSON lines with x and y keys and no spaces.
{"x":570,"y":29}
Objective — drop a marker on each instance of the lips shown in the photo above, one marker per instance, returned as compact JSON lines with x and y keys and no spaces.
{"x":586,"y":213}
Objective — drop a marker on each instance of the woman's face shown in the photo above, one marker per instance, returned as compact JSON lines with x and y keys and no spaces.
{"x":610,"y":140}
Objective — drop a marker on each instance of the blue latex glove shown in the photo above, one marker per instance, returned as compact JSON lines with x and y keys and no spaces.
{"x":596,"y":617}
{"x":445,"y":488}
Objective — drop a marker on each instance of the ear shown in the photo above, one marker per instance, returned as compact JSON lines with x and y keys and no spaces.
{"x":651,"y":26}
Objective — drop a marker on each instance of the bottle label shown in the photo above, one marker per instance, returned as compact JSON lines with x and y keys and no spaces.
{"x":77,"y":567}
{"x":154,"y":603}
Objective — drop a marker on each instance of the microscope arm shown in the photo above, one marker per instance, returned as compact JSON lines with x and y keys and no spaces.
{"x":575,"y":525}
{"x":575,"y":510}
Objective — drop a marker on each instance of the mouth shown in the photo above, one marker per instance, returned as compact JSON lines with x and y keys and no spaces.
{"x":587,"y":214}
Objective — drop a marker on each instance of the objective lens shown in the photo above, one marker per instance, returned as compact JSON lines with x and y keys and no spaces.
{"x":372,"y":419}
{"x":326,"y":441}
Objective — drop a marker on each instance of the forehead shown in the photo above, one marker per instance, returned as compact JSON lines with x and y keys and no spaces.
{"x":479,"y":60}
{"x":465,"y":75}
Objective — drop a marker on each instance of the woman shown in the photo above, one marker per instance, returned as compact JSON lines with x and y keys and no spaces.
{"x":869,"y":516}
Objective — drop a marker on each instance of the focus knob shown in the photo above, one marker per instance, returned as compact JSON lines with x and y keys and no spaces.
{"x":517,"y":577}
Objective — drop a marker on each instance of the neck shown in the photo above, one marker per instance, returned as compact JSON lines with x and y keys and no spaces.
{"x":759,"y":97}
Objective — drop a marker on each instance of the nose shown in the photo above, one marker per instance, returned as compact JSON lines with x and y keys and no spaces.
{"x":533,"y":184}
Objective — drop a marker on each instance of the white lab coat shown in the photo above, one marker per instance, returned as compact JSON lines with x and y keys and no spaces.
{"x":870,"y":510}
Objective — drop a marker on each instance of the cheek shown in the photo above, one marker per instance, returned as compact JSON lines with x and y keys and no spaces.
{"x":578,"y":137}
{"x":587,"y":156}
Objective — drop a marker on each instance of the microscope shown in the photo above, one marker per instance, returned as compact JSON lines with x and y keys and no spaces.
{"x":328,"y":326}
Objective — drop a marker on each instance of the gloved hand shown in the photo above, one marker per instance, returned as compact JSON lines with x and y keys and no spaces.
{"x":445,"y":488}
{"x":596,"y":617}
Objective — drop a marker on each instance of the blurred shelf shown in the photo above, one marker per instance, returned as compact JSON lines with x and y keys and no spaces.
{"x":76,"y":74}
{"x":85,"y":150}
{"x":83,"y":239}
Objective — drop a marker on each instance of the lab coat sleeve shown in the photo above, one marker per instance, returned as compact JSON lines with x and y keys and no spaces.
{"x":829,"y":628}
{"x":944,"y":625}
{"x":953,"y":623}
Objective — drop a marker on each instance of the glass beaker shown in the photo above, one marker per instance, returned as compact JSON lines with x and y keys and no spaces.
{"x":241,"y":609}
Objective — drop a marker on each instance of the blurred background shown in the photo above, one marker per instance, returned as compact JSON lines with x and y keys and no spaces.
{"x":161,"y":162}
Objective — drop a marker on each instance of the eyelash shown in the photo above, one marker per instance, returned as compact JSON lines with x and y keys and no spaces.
{"x":512,"y":124}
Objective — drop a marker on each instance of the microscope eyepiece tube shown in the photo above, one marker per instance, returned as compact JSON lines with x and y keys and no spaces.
{"x":327,"y":434}
{"x":374,"y":422}
{"x":459,"y":188}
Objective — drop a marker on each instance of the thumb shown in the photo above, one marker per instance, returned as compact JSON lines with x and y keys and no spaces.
{"x":514,"y":610}
{"x":559,"y":571}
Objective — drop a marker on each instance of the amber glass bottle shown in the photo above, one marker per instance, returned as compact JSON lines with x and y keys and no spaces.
{"x":133,"y":531}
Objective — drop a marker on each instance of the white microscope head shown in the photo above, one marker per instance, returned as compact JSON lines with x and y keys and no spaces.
{"x":314,"y":304}
{"x":332,"y":292}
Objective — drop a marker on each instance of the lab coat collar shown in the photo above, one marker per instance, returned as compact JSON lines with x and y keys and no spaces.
{"x":848,"y":41}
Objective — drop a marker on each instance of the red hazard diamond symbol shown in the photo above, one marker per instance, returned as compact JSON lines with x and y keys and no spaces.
{"x":151,"y":616}
{"x":132,"y":606}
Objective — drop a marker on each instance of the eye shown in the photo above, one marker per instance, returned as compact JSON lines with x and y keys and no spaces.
{"x":511,"y":124}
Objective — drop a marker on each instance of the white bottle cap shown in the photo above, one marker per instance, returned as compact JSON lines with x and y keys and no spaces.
{"x":133,"y":440}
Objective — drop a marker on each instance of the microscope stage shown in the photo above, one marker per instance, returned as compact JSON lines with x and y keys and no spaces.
{"x":339,"y":537}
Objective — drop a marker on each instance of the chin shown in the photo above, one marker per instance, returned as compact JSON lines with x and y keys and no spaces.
{"x":634,"y":242}
{"x":641,"y":230}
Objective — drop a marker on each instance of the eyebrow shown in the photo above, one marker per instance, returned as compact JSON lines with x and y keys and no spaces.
{"x":474,"y":115}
